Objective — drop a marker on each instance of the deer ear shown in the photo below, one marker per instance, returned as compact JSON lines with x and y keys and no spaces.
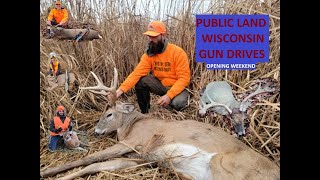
{"x":124,"y":107}
{"x":128,"y":107}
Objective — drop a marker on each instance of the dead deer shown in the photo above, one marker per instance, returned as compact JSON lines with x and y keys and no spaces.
{"x":71,"y":34}
{"x":71,"y":141}
{"x":218,"y":97}
{"x":194,"y":149}
{"x":60,"y":80}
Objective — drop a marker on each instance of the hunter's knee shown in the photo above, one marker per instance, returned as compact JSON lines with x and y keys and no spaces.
{"x":180,"y":101}
{"x":143,"y":82}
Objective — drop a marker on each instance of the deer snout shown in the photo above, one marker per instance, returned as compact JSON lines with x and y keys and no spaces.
{"x":239,"y":129}
{"x":202,"y":113}
{"x":98,"y":132}
{"x":240,"y":135}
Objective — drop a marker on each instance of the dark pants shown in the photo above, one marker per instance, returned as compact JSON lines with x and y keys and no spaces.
{"x":53,"y":142}
{"x":57,"y":73}
{"x":54,"y":22}
{"x":149,"y":84}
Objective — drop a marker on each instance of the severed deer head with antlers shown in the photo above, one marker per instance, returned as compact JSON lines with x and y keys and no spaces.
{"x":218,"y":97}
{"x":194,"y":150}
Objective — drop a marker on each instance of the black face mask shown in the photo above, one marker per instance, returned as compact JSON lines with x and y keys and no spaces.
{"x":155,"y":48}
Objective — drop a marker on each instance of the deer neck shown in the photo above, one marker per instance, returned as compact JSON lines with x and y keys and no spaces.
{"x":128,"y":119}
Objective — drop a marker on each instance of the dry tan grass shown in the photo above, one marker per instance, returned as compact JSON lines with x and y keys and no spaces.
{"x":121,"y":47}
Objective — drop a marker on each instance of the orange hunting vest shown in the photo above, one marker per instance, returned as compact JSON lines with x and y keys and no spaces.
{"x":54,"y":68}
{"x":58,"y":123}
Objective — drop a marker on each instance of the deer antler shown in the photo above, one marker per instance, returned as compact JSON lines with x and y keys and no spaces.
{"x":104,"y":89}
{"x":265,"y":89}
{"x":212,"y":104}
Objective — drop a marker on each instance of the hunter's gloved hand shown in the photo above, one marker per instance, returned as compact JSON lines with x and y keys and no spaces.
{"x":59,"y":130}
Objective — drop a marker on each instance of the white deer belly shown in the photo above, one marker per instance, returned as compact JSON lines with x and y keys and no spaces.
{"x":186,"y":159}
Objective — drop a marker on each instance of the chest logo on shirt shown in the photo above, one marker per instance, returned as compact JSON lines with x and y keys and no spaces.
{"x":162,"y":66}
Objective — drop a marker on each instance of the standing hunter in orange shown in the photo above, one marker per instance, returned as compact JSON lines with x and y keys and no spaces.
{"x":169,"y":70}
{"x":58,"y":16}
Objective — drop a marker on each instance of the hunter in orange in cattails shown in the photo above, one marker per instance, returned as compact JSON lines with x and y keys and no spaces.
{"x":58,"y":125}
{"x":163,"y":70}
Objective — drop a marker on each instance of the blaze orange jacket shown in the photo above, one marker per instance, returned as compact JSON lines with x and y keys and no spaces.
{"x":58,"y":123}
{"x":54,"y":68}
{"x":59,"y":15}
{"x":171,"y":67}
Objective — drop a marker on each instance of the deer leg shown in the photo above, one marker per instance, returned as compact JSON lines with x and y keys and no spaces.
{"x":102,"y":166}
{"x":110,"y":152}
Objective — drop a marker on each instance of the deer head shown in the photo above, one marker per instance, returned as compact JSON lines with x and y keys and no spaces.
{"x":54,"y":30}
{"x":71,"y":139}
{"x":118,"y":114}
{"x":113,"y":118}
{"x":218,"y":97}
